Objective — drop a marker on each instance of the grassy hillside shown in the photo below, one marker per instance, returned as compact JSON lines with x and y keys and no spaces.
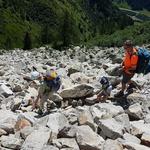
{"x":57,"y":22}
{"x":139,"y":33}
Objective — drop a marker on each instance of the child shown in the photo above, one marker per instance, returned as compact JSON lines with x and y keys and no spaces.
{"x":105,"y":91}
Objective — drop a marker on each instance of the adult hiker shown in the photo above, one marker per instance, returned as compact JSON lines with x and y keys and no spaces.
{"x":50,"y":83}
{"x":129,"y":65}
{"x":105,"y":92}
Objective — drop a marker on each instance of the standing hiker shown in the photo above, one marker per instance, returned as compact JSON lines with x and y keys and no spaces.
{"x":129,"y":66}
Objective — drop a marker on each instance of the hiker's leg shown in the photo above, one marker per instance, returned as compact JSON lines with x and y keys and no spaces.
{"x":123,"y":87}
{"x":126,"y":78}
{"x":50,"y":103}
{"x":99,"y":96}
{"x":42,"y":101}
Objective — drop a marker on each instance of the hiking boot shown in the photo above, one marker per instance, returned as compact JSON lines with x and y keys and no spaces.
{"x":119,"y":94}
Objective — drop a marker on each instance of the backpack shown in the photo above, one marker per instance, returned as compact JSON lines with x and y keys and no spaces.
{"x":143,"y":65}
{"x":54,"y":84}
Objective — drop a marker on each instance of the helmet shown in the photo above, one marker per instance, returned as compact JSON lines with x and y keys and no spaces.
{"x":51,"y":74}
{"x":104,"y":80}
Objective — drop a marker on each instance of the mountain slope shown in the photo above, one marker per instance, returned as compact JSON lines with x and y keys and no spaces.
{"x":59,"y":23}
{"x":134,"y":4}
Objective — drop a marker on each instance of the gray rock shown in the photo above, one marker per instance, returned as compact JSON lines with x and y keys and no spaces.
{"x":135,"y":111}
{"x":26,"y":131}
{"x":6,"y":91}
{"x":105,"y":110}
{"x":68,"y":132}
{"x":135,"y":146}
{"x":72,"y":71}
{"x":111,"y":128}
{"x":131,"y":138}
{"x":146,"y":139}
{"x":2,"y":132}
{"x":17,"y":88}
{"x":92,"y":142}
{"x":2,"y":73}
{"x":136,"y":98}
{"x":139,"y":127}
{"x":114,"y":70}
{"x":56,"y":122}
{"x":124,"y":120}
{"x":147,"y":118}
{"x":66,"y":142}
{"x":11,"y":142}
{"x":15,"y":104}
{"x":72,"y":115}
{"x":37,"y":139}
{"x":2,"y":148}
{"x":30,"y":116}
{"x":7,"y":121}
{"x":50,"y":147}
{"x":85,"y":118}
{"x":112,"y":145}
{"x":56,"y":98}
{"x":80,"y":78}
{"x":91,"y":100}
{"x":78,"y":91}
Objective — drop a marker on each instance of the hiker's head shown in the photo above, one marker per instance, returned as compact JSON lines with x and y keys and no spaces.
{"x":128,"y":46}
{"x":51,"y":74}
{"x":104,"y":80}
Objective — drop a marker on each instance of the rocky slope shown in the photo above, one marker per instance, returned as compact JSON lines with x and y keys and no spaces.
{"x":118,"y":124}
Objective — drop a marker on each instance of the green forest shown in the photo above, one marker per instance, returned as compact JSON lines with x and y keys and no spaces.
{"x":61,"y":23}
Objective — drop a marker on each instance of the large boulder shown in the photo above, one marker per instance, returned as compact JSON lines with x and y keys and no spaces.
{"x":8,"y":120}
{"x":85,"y":118}
{"x":78,"y":91}
{"x":56,"y":122}
{"x":135,"y":112}
{"x":114,"y":70}
{"x":124,"y":120}
{"x":6,"y":91}
{"x":91,"y":142}
{"x":37,"y":139}
{"x":11,"y":142}
{"x":139,"y":127}
{"x":111,"y":128}
{"x":105,"y":110}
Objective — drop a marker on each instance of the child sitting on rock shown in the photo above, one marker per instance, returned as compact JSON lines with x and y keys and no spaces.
{"x":105,"y":92}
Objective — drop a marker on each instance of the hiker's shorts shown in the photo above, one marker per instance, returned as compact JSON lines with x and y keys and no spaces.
{"x":126,"y":78}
